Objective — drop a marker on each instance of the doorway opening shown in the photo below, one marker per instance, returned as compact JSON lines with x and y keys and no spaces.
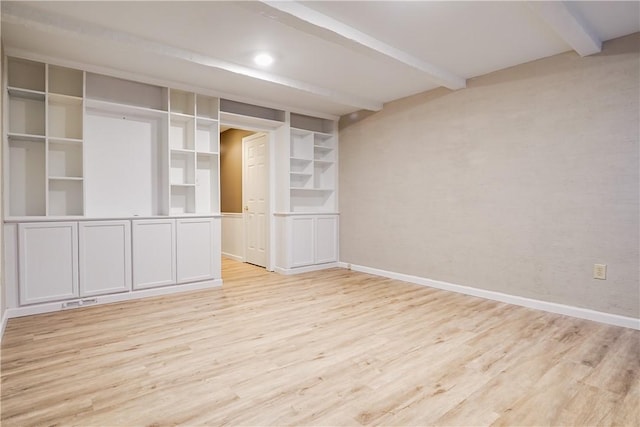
{"x":245,"y":188}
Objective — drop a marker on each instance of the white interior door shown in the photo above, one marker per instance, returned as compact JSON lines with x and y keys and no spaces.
{"x":255,"y":193}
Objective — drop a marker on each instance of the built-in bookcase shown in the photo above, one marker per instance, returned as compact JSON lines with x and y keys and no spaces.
{"x":312,"y":165}
{"x":45,"y":139}
{"x":87,"y":144}
{"x":194,"y":153}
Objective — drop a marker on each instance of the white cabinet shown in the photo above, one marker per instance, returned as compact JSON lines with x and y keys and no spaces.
{"x":48,"y":261}
{"x":197,"y":256}
{"x":302,"y":241}
{"x":326,"y":242}
{"x":154,"y":253}
{"x":311,"y":240}
{"x":104,"y":257}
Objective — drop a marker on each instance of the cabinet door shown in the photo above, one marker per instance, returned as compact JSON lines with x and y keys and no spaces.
{"x":104,"y":257}
{"x":48,"y":261}
{"x":195,"y":250}
{"x":302,"y":241}
{"x":154,"y":255}
{"x":326,"y":239}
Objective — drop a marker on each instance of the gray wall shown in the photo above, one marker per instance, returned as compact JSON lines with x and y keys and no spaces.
{"x":517,"y":184}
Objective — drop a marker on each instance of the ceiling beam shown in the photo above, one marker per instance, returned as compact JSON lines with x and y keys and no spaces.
{"x":438,"y":75}
{"x":13,"y":12}
{"x":569,"y":25}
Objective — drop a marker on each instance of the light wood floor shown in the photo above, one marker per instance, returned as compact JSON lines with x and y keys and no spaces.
{"x":327,"y":348}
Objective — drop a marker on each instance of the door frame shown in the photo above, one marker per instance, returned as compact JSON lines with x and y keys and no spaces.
{"x":274,"y":131}
{"x":267,"y":198}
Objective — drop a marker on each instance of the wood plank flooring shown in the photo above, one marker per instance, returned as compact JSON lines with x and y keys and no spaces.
{"x":326,"y":348}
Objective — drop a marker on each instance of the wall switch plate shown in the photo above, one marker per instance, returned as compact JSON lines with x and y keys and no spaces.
{"x":600,"y":271}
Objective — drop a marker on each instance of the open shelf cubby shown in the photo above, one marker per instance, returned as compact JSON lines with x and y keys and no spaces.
{"x":27,"y":181}
{"x":65,"y":81}
{"x":207,"y":107}
{"x":65,"y":159}
{"x":182,"y":166}
{"x":26,"y":113}
{"x":25,"y":74}
{"x":301,"y":180}
{"x":207,"y":184}
{"x":65,"y":117}
{"x":181,"y":135}
{"x":65,"y":197}
{"x":311,"y":200}
{"x":125,"y":92}
{"x":301,"y":145}
{"x":181,"y":102}
{"x":207,"y":136}
{"x":323,"y":175}
{"x":182,"y":200}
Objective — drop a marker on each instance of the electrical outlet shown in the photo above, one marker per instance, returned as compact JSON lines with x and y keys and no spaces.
{"x":600,"y":271}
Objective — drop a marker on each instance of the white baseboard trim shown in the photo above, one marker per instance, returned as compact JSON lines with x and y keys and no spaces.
{"x":306,"y":269}
{"x":551,"y":307}
{"x":5,"y":318}
{"x":232,"y":256}
{"x":107,"y":299}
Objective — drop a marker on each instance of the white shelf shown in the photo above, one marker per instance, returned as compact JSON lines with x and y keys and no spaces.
{"x":65,"y":178}
{"x":124,"y":109}
{"x":70,"y":141}
{"x":65,"y":99}
{"x":25,"y":137}
{"x":298,"y":159}
{"x":322,"y":148}
{"x":25,"y":93}
{"x":181,"y":150}
{"x":182,"y":117}
{"x":318,"y":190}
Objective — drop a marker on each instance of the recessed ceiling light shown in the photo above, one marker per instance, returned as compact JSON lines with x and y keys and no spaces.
{"x":263,"y":59}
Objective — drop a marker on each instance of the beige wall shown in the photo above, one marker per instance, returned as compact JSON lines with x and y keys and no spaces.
{"x":2,"y":285}
{"x":517,"y":184}
{"x":231,"y":169}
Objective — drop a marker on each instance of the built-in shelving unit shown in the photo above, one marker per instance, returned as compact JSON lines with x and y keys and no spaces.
{"x":92,"y":145}
{"x":100,"y":173}
{"x":45,"y":139}
{"x":312,"y":170}
{"x":194,"y":153}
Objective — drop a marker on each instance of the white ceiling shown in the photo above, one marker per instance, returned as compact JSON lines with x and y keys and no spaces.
{"x":332,"y":57}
